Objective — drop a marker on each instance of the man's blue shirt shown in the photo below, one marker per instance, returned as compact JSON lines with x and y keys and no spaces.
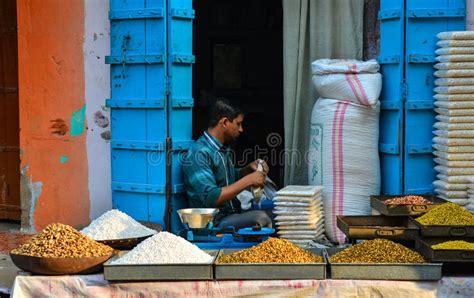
{"x":207,"y":168}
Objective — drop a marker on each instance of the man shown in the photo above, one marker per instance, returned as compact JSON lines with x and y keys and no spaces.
{"x":210,"y":177}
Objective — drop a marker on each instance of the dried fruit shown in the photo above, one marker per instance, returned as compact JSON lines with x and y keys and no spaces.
{"x":273,"y":250}
{"x":447,"y":214}
{"x":377,"y":251}
{"x":454,"y":245}
{"x":408,"y":200}
{"x":62,"y":241}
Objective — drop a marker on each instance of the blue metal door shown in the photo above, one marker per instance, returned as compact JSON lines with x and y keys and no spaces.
{"x":408,"y":31}
{"x":424,"y":19}
{"x":392,"y":42}
{"x":151,"y":102}
{"x":180,"y":61}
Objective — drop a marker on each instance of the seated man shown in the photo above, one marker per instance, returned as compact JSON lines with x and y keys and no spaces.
{"x":210,"y":177}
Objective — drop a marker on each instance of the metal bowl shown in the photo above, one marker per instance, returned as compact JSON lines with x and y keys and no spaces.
{"x":197,"y":218}
{"x":59,"y":266}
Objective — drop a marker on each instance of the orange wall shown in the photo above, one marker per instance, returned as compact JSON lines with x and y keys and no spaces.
{"x":51,"y":90}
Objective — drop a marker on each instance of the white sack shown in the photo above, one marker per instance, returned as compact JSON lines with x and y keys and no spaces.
{"x":455,"y":58}
{"x":454,"y":97}
{"x":454,"y":73}
{"x":455,"y":105}
{"x":455,"y":133}
{"x":351,"y":80}
{"x":456,"y":65}
{"x":350,"y":170}
{"x":454,"y":156}
{"x":455,"y":43}
{"x":454,"y":149}
{"x":454,"y":81}
{"x":455,"y":51}
{"x":456,"y":35}
{"x":459,"y":119}
{"x":455,"y":89}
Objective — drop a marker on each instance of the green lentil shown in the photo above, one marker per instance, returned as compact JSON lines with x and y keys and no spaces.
{"x":377,"y":251}
{"x":454,"y":245}
{"x":448,"y":214}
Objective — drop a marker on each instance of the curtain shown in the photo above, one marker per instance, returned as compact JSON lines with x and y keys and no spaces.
{"x":312,"y":29}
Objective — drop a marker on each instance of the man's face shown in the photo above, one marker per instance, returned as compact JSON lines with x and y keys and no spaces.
{"x":233,"y":129}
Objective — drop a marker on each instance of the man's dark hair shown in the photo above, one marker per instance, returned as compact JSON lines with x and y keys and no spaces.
{"x":223,"y":108}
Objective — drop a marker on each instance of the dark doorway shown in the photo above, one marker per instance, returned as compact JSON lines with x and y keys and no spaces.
{"x":9,"y":114}
{"x":238,"y":46}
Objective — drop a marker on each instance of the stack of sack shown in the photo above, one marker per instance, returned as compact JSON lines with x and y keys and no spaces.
{"x":343,"y":139}
{"x":299,"y":214}
{"x":454,"y":130}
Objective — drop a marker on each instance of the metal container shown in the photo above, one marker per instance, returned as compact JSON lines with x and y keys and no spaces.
{"x":149,"y":272}
{"x":423,"y":245}
{"x":197,"y":218}
{"x":371,"y":227}
{"x":59,"y":266}
{"x":377,"y":202}
{"x":124,"y":244}
{"x":383,"y":271}
{"x":444,"y":231}
{"x":269,"y":270}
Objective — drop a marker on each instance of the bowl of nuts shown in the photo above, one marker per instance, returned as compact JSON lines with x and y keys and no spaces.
{"x":60,"y":249}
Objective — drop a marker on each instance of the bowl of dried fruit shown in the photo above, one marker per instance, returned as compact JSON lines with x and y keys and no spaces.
{"x":60,"y":249}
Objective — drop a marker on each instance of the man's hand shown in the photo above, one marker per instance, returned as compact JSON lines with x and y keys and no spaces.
{"x":253,"y":165}
{"x":255,"y":179}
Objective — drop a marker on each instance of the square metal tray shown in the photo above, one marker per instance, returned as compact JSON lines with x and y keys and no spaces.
{"x":444,"y":231}
{"x":148,"y":272}
{"x":371,"y":227}
{"x":429,"y":271}
{"x":269,"y":270}
{"x":377,"y":202}
{"x":423,"y":245}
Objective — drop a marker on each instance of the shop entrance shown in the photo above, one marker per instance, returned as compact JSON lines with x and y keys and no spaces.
{"x":239,"y":55}
{"x":9,"y":114}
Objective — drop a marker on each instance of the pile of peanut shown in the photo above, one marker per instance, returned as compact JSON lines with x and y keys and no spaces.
{"x":62,"y":241}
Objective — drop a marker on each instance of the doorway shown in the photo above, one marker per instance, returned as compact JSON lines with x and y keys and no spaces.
{"x":239,"y":55}
{"x":9,"y":114}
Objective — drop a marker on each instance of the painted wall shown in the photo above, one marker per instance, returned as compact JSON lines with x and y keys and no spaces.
{"x":97,"y":82}
{"x":63,"y":84}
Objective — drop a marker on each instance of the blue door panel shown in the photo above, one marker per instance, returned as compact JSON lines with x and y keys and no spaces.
{"x":138,"y":62}
{"x":424,"y":20}
{"x":391,"y":16}
{"x":180,"y":61}
{"x":156,"y":208}
{"x":134,"y":204}
{"x":133,"y":161}
{"x":128,"y":124}
{"x":156,"y":124}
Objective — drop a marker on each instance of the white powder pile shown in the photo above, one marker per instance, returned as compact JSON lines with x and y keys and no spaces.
{"x":115,"y":224}
{"x":165,"y":248}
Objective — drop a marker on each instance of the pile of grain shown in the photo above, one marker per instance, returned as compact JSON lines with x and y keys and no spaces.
{"x":62,"y":241}
{"x":165,"y":248}
{"x":273,"y":250}
{"x":447,"y":214}
{"x":377,"y":251}
{"x":454,"y":245}
{"x":115,"y":224}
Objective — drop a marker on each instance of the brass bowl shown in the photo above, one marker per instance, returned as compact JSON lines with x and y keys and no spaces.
{"x":59,"y":266}
{"x":197,"y":218}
